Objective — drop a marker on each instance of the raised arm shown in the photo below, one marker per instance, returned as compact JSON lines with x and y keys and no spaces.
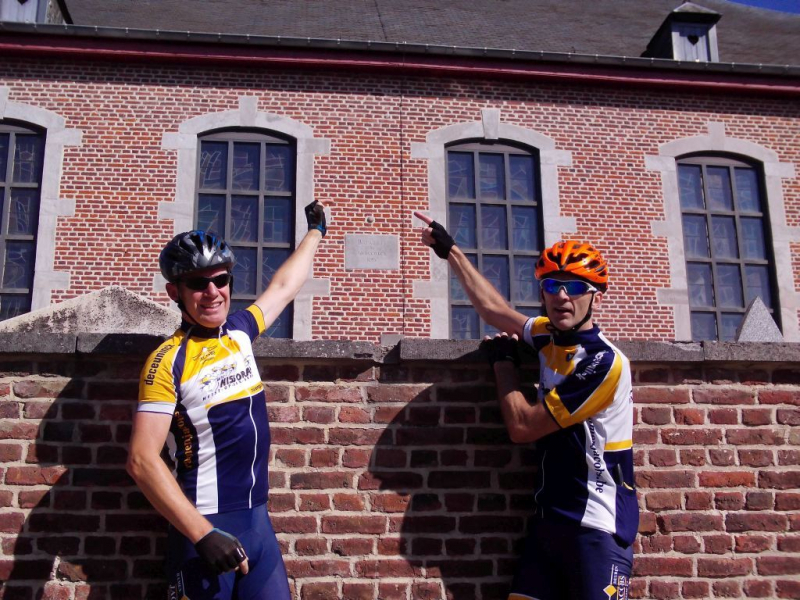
{"x":291,"y":275}
{"x":488,"y":302}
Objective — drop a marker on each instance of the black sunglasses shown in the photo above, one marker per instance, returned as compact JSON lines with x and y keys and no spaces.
{"x":199,"y":284}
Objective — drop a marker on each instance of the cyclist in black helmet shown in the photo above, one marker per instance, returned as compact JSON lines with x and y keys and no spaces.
{"x":201,"y":394}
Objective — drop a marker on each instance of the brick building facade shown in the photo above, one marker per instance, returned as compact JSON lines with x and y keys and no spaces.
{"x":372,"y":129}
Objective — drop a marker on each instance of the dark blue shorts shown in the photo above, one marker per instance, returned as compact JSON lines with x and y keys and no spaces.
{"x":189,"y":576}
{"x":564,"y":561}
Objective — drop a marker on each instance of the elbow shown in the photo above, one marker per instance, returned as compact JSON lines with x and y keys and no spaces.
{"x":136,"y":466}
{"x":522,"y":435}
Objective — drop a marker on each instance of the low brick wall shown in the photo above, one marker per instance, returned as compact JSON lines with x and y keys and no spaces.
{"x":391,"y":473}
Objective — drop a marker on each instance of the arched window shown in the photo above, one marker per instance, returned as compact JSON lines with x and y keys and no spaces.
{"x":21,"y":159}
{"x":246,"y":193}
{"x":495,"y":217}
{"x":727,"y":244}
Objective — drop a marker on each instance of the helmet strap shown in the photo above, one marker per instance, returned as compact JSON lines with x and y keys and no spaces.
{"x":566,"y":333}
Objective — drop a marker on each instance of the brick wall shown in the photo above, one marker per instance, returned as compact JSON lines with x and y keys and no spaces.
{"x":120,"y":172}
{"x":391,"y":474}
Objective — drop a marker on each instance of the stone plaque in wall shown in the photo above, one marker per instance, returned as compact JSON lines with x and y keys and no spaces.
{"x":381,"y":252}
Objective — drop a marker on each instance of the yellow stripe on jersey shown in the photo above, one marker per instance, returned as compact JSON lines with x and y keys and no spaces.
{"x":156,"y":382}
{"x":623,"y":445}
{"x":599,"y":400}
{"x":256,"y":312}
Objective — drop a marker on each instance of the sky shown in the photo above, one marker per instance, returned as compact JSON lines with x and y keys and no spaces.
{"x":789,"y":6}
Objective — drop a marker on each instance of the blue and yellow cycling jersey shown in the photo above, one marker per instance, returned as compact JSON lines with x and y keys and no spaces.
{"x":219,"y":437}
{"x":585,"y":469}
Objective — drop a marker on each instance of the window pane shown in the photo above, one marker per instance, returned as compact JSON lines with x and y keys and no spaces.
{"x":724,"y":237}
{"x":460,"y":175}
{"x":24,"y":214}
{"x":279,"y":168}
{"x":271,"y":262}
{"x":13,"y":305}
{"x":27,"y":159}
{"x":700,"y":289}
{"x":4,"y":140}
{"x":753,"y":244}
{"x":277,"y":221}
{"x":492,"y":176}
{"x":18,"y":271}
{"x":457,"y":293}
{"x":757,"y":284}
{"x":730,"y":323}
{"x":463,"y":225}
{"x":244,"y":271}
{"x":281,"y":327}
{"x":690,"y":181}
{"x":211,"y":213}
{"x":704,"y":327}
{"x":213,"y":165}
{"x":525,"y":284}
{"x":240,"y":304}
{"x":729,"y":286}
{"x":495,"y":269}
{"x":245,"y":166}
{"x":494,"y":228}
{"x":747,"y":191}
{"x":244,"y":219}
{"x":525,"y":230}
{"x":695,"y":236}
{"x":719,"y":188}
{"x":521,"y":169}
{"x":464,"y":323}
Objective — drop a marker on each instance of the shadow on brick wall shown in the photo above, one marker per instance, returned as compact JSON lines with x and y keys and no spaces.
{"x":461,"y":492}
{"x":90,"y":528}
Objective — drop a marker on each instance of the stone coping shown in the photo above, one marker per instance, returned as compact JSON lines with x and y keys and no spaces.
{"x":407,"y":350}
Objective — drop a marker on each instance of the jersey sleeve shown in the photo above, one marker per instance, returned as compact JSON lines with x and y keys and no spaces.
{"x":590,"y":388}
{"x":157,"y":391}
{"x":249,"y":320}
{"x":535,"y":332}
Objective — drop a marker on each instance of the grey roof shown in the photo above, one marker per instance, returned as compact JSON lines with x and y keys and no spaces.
{"x":603,"y":27}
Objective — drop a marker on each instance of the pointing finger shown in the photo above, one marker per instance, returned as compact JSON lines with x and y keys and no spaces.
{"x":422,"y":217}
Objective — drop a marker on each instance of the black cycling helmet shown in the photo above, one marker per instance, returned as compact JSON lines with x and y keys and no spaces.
{"x":192,"y":251}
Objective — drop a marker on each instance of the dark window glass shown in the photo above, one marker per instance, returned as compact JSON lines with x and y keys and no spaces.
{"x":461,"y":175}
{"x":246,"y":192}
{"x":21,"y":160}
{"x":499,"y":227}
{"x":726,"y":244}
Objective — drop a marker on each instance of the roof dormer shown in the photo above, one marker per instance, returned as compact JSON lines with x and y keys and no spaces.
{"x":688,"y":33}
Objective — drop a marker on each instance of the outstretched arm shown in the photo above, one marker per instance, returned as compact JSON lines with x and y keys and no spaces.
{"x":491,"y":306}
{"x":291,"y":275}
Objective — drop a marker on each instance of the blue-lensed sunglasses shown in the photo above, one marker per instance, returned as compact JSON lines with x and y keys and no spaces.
{"x":572,"y":288}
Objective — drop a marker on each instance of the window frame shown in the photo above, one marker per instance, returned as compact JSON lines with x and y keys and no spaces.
{"x":7,"y":185}
{"x":232,"y":136}
{"x":505,"y":148}
{"x":704,"y":161}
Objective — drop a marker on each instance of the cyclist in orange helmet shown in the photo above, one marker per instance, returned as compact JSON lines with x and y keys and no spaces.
{"x":580,"y":543}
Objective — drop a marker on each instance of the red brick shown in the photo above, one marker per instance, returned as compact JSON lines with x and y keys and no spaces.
{"x":779,"y":397}
{"x":727,"y":479}
{"x":694,"y":437}
{"x":752,"y":543}
{"x":660,"y":566}
{"x":755,"y":522}
{"x":779,"y":480}
{"x":723,"y":396}
{"x":778,"y":565}
{"x":689,"y":416}
{"x":691,"y":522}
{"x":660,"y":395}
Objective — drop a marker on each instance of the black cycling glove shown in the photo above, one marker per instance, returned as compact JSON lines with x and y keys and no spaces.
{"x":315,"y":215}
{"x":502,"y":348}
{"x":220,"y":550}
{"x":443,"y":242}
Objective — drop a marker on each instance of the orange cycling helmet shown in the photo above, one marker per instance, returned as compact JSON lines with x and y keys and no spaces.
{"x":569,"y":256}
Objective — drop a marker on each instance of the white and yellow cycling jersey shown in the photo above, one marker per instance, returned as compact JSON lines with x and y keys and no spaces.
{"x":586,"y":469}
{"x":219,"y":437}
